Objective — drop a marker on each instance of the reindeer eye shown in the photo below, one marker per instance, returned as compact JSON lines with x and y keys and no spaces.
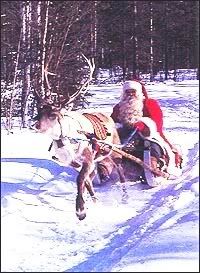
{"x":52,"y":116}
{"x":36,"y":118}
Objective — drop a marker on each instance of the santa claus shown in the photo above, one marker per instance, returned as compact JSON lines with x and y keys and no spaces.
{"x":136,"y":111}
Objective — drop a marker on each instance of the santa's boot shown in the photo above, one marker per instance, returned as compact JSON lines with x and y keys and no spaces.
{"x":159,"y":180}
{"x":154,"y":163}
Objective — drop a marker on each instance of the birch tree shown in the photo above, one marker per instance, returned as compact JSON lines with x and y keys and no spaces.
{"x":151,"y":42}
{"x":135,"y":41}
{"x":14,"y":91}
{"x":26,"y":42}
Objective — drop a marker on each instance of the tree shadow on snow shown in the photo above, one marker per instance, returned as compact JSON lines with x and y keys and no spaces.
{"x":54,"y":169}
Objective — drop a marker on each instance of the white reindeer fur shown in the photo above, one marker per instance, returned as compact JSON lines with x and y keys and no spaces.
{"x":74,"y":141}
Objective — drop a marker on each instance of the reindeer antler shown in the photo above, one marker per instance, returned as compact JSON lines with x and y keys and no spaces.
{"x":46,"y":73}
{"x":46,"y":98}
{"x":84,"y":87}
{"x":69,"y":99}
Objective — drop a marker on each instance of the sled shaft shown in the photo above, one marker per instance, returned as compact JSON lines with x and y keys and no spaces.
{"x":140,"y":162}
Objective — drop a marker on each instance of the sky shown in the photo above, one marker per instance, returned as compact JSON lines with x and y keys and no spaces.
{"x":136,"y":229}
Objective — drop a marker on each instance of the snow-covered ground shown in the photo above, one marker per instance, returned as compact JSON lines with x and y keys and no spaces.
{"x":131,"y":229}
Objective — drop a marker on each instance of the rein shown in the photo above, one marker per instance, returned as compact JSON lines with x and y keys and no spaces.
{"x":113,"y":147}
{"x":91,"y":139}
{"x":117,"y":149}
{"x":100,"y":133}
{"x":59,"y":141}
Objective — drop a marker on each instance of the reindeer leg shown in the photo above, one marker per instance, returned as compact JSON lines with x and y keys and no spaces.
{"x":89,"y":186}
{"x":82,"y":179}
{"x":118,"y":164}
{"x":81,"y":183}
{"x":118,"y":159}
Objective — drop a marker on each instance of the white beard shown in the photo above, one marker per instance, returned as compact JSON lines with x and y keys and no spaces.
{"x":130,"y":109}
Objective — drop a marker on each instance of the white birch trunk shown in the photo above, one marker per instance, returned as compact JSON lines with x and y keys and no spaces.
{"x":151,"y":42}
{"x":27,"y":70}
{"x":39,"y":21}
{"x":43,"y":93}
{"x":94,"y":31}
{"x":136,"y":39}
{"x":13,"y":94}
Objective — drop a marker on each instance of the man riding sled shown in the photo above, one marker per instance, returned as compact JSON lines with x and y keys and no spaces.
{"x":136,"y":112}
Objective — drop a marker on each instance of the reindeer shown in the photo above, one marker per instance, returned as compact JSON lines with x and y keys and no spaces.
{"x":80,"y":140}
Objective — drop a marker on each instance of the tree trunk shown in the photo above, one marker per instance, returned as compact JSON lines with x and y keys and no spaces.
{"x":94,"y":32}
{"x":175,"y":58}
{"x":151,"y":42}
{"x":26,"y":37}
{"x":10,"y":111}
{"x":135,"y":41}
{"x":43,"y":93}
{"x":124,"y":63}
{"x":166,"y":42}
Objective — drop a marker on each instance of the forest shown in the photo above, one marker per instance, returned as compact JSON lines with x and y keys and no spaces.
{"x":48,"y":47}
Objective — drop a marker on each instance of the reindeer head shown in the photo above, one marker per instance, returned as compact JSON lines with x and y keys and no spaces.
{"x":48,"y":112}
{"x":47,"y":119}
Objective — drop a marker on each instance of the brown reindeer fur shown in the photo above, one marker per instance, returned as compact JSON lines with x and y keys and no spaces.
{"x":79,"y":153}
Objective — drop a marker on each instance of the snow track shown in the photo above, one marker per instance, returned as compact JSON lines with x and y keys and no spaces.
{"x":161,"y":209}
{"x":132,"y":227}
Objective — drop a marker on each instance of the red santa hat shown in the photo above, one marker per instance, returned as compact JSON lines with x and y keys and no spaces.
{"x":135,"y":84}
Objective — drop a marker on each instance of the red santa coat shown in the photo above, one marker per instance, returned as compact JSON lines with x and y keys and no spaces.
{"x":151,"y":109}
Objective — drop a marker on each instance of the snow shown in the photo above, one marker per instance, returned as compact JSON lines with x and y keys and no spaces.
{"x":131,"y":228}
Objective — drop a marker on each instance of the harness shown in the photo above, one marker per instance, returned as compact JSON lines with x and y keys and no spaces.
{"x":99,"y":155}
{"x":59,"y":141}
{"x":100,"y":133}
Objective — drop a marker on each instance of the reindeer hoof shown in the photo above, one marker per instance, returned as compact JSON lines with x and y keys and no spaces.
{"x":105,"y":179}
{"x":80,"y":215}
{"x":94,"y":198}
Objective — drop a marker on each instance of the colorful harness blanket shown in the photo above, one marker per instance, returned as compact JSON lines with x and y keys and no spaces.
{"x":101,"y":132}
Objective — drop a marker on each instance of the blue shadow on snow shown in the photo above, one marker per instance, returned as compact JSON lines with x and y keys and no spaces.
{"x":54,"y":168}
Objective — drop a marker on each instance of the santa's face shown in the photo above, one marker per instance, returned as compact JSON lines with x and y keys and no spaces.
{"x":131,"y":106}
{"x":133,"y":94}
{"x":130,"y":93}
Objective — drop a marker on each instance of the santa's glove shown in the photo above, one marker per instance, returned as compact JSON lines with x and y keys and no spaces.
{"x":178,"y":158}
{"x":142,"y":128}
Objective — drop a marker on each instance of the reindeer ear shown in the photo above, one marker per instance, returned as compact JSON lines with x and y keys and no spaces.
{"x":62,"y":111}
{"x":55,"y":114}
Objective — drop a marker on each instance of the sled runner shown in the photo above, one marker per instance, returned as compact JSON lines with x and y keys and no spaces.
{"x":138,"y":160}
{"x":150,"y":178}
{"x":147,"y":174}
{"x":151,"y":152}
{"x":152,"y":158}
